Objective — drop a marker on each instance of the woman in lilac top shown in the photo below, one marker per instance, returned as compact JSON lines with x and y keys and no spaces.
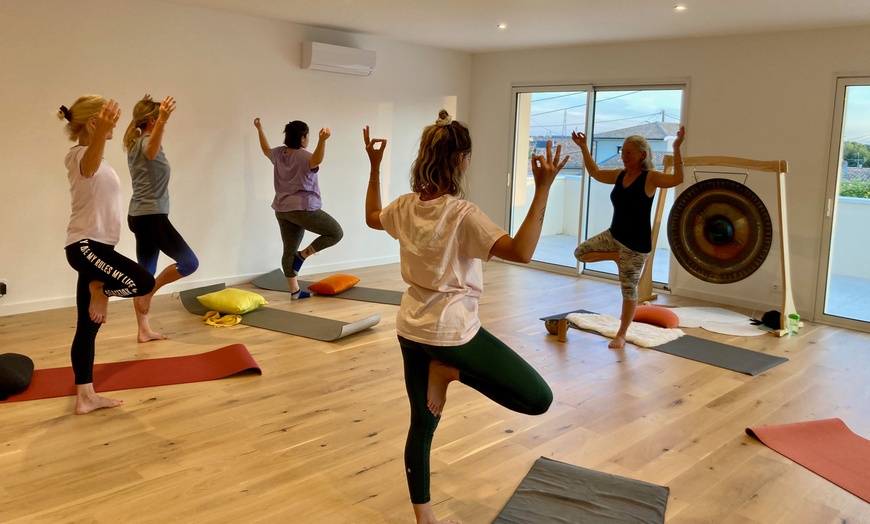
{"x":297,"y":198}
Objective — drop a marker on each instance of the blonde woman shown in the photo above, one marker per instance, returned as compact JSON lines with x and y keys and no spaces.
{"x":628,"y":242}
{"x":148,"y":216}
{"x":93,"y":231}
{"x":442,"y":241}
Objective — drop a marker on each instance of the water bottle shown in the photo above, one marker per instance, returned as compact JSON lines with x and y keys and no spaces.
{"x":794,"y":321}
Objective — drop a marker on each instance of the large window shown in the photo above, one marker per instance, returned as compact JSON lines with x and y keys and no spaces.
{"x":580,"y":207}
{"x":844,"y":281}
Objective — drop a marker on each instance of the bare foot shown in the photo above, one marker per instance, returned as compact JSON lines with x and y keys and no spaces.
{"x":143,"y":303}
{"x":617,"y":342}
{"x":148,"y":336}
{"x":424,"y":515}
{"x":87,"y":400}
{"x":440,"y":376}
{"x":98,"y":309}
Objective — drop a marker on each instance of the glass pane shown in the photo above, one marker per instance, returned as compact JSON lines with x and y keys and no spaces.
{"x":542,"y":116}
{"x":848,"y":279}
{"x":653,"y":114}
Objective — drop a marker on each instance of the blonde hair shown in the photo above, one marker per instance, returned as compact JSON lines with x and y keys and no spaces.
{"x":648,"y":164}
{"x":143,"y":111}
{"x":78,"y":114}
{"x":438,"y":167}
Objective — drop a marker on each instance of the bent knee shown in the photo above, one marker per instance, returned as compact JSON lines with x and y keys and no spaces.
{"x":187,"y":266}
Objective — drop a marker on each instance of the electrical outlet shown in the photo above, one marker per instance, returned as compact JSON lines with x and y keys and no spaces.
{"x":775,"y":287}
{"x":3,"y":289}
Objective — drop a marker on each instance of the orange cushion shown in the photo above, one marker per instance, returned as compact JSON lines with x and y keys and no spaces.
{"x":334,"y":284}
{"x":657,"y":316}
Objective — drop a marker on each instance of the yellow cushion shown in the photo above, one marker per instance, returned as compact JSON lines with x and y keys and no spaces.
{"x":334,"y":284}
{"x":656,"y":315}
{"x":231,"y":301}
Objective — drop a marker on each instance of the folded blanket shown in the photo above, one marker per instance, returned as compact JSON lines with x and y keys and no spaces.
{"x":644,"y":335}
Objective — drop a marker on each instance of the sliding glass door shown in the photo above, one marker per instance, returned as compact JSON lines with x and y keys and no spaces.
{"x":580,"y":207}
{"x":844,"y":280}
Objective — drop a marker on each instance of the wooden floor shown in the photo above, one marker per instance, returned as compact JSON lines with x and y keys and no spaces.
{"x":318,"y":437}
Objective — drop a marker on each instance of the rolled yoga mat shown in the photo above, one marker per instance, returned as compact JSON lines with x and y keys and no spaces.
{"x":709,"y":352}
{"x":276,"y":281}
{"x":220,"y":363}
{"x":826,"y":447}
{"x":288,"y":322}
{"x":555,"y":492}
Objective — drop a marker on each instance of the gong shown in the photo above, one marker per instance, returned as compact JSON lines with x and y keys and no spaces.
{"x":719,"y":231}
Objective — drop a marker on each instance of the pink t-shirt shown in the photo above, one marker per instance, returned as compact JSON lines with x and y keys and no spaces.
{"x":296,"y":187}
{"x":441,"y":245}
{"x":95,"y":202}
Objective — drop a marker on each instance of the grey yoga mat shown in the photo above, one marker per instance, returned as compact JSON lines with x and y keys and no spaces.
{"x":555,"y":492}
{"x":276,"y":281}
{"x":710,"y":352}
{"x":282,"y":321}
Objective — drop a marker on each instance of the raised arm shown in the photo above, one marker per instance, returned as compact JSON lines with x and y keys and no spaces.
{"x":606,"y":176}
{"x":264,"y":144}
{"x":166,"y":109}
{"x":100,"y":128}
{"x":521,"y":247}
{"x":373,"y":192}
{"x":659,"y":179}
{"x":320,"y":150}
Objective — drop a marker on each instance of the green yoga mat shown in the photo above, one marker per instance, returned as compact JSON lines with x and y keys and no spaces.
{"x":282,"y":321}
{"x":276,"y":281}
{"x":554,"y":492}
{"x":710,"y":352}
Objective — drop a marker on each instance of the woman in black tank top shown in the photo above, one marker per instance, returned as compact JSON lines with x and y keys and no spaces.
{"x":628,"y":242}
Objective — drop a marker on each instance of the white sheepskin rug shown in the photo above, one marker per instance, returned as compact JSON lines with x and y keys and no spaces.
{"x":644,"y":335}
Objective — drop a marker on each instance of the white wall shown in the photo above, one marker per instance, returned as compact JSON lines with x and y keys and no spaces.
{"x":757,"y":96}
{"x":224,"y":70}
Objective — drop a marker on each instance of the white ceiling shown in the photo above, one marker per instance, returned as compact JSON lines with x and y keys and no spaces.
{"x":471,"y":25}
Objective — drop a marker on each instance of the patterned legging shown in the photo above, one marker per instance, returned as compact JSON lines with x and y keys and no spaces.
{"x":630,"y":262}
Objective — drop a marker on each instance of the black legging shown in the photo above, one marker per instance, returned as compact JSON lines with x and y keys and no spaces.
{"x":121,"y":277}
{"x":155,"y":233}
{"x":486,"y":364}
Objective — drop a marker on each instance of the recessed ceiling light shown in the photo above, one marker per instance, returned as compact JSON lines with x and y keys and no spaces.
{"x":502,"y":26}
{"x":679,"y":7}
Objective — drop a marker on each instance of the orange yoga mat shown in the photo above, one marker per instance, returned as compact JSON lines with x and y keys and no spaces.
{"x":825,"y":447}
{"x":114,"y":376}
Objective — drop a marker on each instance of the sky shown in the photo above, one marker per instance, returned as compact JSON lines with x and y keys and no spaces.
{"x":558,"y":113}
{"x":856,"y":125}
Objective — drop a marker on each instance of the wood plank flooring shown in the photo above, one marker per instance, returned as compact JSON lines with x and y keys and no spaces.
{"x":318,"y":437}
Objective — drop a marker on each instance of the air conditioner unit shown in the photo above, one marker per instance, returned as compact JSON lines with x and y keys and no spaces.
{"x":337,"y":59}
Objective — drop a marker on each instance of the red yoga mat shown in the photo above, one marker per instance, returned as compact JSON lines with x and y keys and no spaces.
{"x":114,"y":376}
{"x":825,"y":447}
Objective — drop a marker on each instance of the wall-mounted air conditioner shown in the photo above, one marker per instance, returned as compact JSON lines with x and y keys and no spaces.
{"x":337,"y":59}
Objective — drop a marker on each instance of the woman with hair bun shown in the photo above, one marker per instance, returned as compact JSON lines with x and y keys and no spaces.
{"x":628,"y":242}
{"x":297,"y":201}
{"x":148,"y":216}
{"x":442,"y":241}
{"x":94,"y":230}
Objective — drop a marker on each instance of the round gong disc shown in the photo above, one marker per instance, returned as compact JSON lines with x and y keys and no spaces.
{"x":719,"y":231}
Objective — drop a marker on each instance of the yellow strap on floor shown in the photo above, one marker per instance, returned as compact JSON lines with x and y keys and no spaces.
{"x":213,"y":318}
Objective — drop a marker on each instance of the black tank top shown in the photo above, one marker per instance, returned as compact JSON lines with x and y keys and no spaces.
{"x":631,"y":214}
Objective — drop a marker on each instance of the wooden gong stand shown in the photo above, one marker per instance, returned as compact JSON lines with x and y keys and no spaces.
{"x":780,"y":168}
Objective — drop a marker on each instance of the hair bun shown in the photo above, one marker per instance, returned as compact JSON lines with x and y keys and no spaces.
{"x":444,"y":118}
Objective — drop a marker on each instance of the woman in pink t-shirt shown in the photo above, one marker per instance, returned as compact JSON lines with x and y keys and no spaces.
{"x":93,"y":231}
{"x":443,"y":240}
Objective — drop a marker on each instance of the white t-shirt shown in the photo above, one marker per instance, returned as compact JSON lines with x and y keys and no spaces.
{"x":441,"y":245}
{"x":95,"y":201}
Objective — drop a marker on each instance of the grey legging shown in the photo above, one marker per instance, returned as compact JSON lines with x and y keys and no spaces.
{"x":293,"y":226}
